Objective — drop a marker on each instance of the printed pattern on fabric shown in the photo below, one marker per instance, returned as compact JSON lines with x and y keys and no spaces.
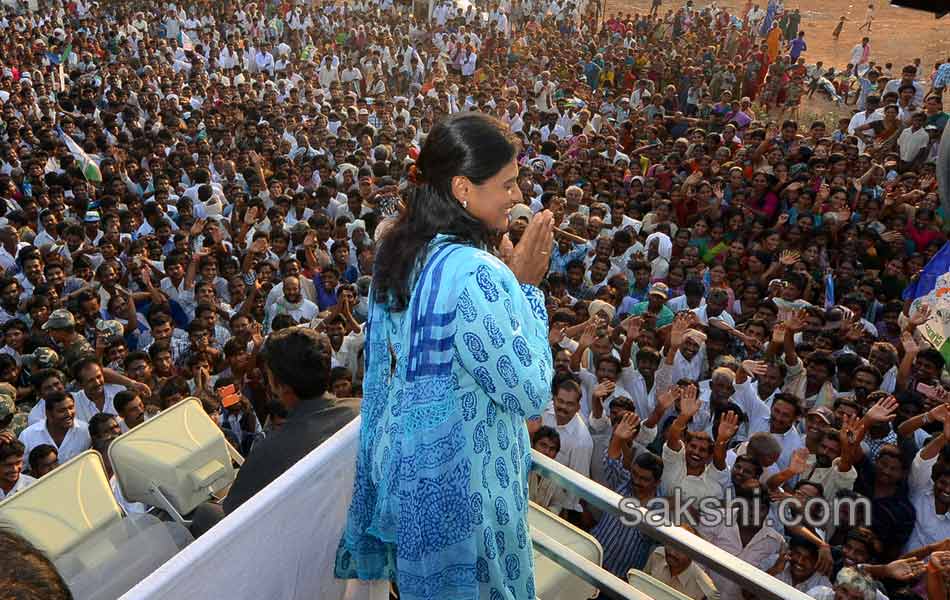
{"x":441,"y":475}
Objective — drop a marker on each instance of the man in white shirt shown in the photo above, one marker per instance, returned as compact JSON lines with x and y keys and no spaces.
{"x":929,"y":483}
{"x":264,"y":62}
{"x":130,"y":408}
{"x":86,"y":408}
{"x":691,"y":299}
{"x":544,"y":93}
{"x":641,"y":95}
{"x":677,"y":570}
{"x":350,"y":77}
{"x":608,"y":370}
{"x":687,"y":467}
{"x":512,"y":116}
{"x":715,"y":395}
{"x":9,"y":246}
{"x":860,"y":54}
{"x":612,"y":154}
{"x":860,"y":124}
{"x":292,"y":303}
{"x":61,"y":429}
{"x":784,"y":415}
{"x":801,"y":570}
{"x":851,"y":584}
{"x":755,"y":14}
{"x":95,"y":397}
{"x":12,"y":479}
{"x":347,"y":347}
{"x":103,"y":429}
{"x":468,"y":63}
{"x":328,"y":73}
{"x":913,"y":139}
{"x":292,"y":267}
{"x":715,"y":308}
{"x":757,"y":544}
{"x":639,"y":379}
{"x":10,"y":292}
{"x":908,"y":77}
{"x":577,"y":447}
{"x":757,"y":383}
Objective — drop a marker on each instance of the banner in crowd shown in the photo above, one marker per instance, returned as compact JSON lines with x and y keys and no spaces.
{"x":932,"y":289}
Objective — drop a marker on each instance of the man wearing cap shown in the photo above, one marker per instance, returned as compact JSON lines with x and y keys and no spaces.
{"x":91,"y":226}
{"x":936,"y":136}
{"x":817,"y":422}
{"x":655,"y":306}
{"x":829,"y":465}
{"x":107,"y":330}
{"x":612,"y":154}
{"x":42,"y":359}
{"x":61,"y":328}
{"x":11,"y":420}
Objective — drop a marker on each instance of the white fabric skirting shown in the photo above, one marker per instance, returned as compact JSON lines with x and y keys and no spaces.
{"x":279,"y":544}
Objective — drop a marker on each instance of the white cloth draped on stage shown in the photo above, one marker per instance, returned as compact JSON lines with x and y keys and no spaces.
{"x":279,"y":544}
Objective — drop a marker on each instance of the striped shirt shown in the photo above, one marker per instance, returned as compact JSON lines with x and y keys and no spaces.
{"x":559,"y":261}
{"x":624,"y":547}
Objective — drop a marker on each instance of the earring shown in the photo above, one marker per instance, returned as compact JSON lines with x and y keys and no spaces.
{"x":465,"y":204}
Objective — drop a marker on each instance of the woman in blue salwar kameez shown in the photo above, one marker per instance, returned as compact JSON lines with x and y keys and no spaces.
{"x":457,"y":357}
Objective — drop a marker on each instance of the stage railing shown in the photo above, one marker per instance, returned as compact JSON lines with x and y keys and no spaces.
{"x":698,"y":549}
{"x":281,"y":542}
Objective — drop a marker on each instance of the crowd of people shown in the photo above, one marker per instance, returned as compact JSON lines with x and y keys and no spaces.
{"x":180,"y":181}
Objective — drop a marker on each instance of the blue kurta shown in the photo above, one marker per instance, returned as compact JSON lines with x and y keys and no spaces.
{"x":440,"y":495}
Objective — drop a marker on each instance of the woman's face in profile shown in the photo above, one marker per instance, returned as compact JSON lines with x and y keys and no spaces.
{"x":491,"y":201}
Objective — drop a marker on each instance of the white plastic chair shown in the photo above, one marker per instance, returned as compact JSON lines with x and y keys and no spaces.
{"x":551,"y":581}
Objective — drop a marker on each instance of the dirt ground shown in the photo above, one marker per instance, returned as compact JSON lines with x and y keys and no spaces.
{"x":898,"y":35}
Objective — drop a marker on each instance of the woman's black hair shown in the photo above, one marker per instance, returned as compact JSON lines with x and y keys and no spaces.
{"x":471,"y":145}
